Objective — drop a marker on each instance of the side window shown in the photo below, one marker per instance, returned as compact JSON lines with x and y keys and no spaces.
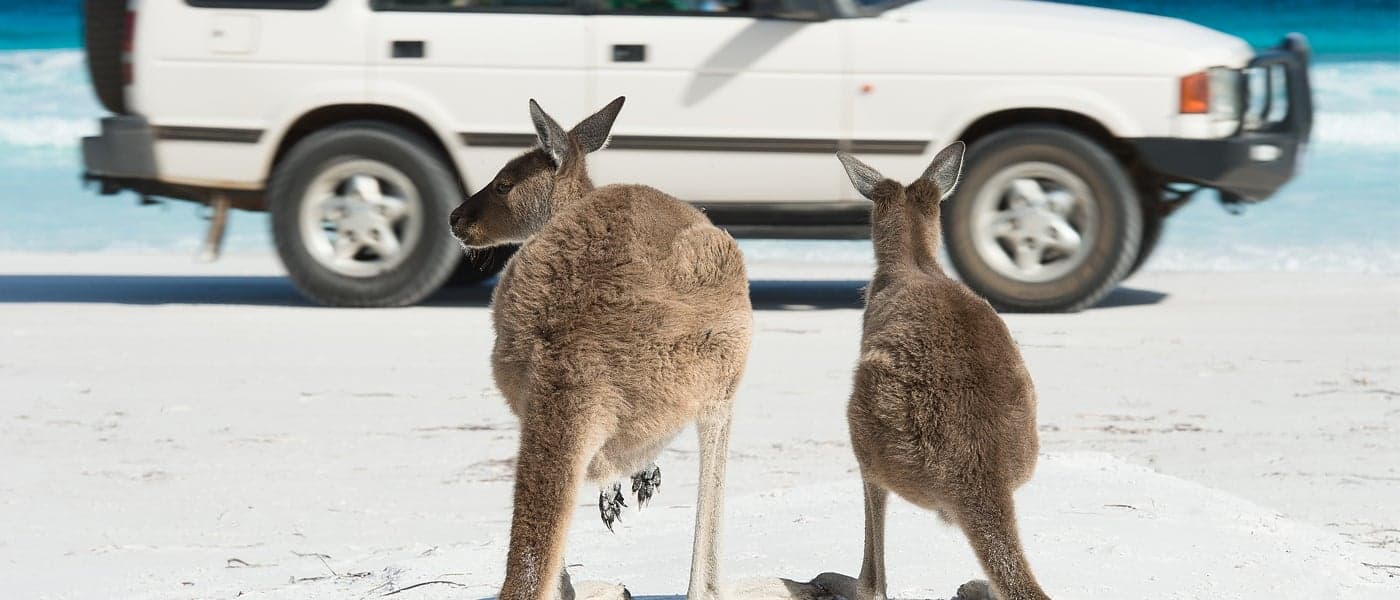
{"x":468,"y":5}
{"x":683,"y":7}
{"x":282,"y":4}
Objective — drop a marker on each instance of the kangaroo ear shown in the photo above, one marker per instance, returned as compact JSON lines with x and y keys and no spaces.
{"x":593,"y":132}
{"x":863,"y":176}
{"x":946,"y":168}
{"x":551,"y":135}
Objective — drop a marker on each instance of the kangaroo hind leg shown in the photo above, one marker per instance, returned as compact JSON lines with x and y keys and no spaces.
{"x":871,"y":584}
{"x":549,"y":469}
{"x":704,"y":560}
{"x":990,"y":526}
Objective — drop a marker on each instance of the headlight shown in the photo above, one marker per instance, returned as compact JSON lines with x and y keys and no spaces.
{"x":1214,"y":92}
{"x":1224,"y":94}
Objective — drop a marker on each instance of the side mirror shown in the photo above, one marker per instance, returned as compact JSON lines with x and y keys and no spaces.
{"x":793,"y":10}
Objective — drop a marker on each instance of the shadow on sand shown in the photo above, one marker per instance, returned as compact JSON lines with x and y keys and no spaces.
{"x":267,"y":290}
{"x":833,"y":294}
{"x":149,"y":290}
{"x":252,"y":290}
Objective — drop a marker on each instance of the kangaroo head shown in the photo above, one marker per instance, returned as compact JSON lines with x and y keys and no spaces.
{"x":521,"y":198}
{"x":905,"y":215}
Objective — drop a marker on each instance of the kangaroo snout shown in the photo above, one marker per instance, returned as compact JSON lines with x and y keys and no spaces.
{"x":456,"y":216}
{"x":460,"y":221}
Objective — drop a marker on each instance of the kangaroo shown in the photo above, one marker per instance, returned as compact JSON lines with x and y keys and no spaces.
{"x":943,"y":410}
{"x":623,"y":317}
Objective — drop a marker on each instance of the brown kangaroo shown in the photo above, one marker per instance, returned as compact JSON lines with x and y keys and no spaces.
{"x":943,"y":410}
{"x":623,"y":318}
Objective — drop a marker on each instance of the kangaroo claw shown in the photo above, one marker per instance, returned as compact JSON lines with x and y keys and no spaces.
{"x":645,"y":484}
{"x":610,"y":504}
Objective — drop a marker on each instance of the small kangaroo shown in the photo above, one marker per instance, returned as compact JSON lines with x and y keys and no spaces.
{"x":943,"y":410}
{"x":623,"y":318}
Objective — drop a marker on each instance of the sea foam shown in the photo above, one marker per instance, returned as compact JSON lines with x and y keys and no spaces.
{"x":1357,"y":103}
{"x":50,"y":132}
{"x":45,"y":100}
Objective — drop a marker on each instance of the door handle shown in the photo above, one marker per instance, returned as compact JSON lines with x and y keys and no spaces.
{"x":629,"y":53}
{"x":407,"y":49}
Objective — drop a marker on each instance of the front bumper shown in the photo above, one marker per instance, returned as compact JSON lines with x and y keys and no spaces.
{"x":124,"y":150}
{"x":1263,"y":154}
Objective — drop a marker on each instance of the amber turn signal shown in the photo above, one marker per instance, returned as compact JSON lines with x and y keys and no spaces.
{"x":1195,"y":93}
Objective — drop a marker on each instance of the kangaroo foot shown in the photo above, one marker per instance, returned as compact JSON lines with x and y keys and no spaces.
{"x":976,"y":589}
{"x":598,"y":590}
{"x":839,"y":586}
{"x":610,"y":504}
{"x":645,"y":483}
{"x":773,"y":588}
{"x":566,"y":585}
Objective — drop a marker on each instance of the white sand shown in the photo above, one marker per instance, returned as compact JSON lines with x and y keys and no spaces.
{"x":170,"y":430}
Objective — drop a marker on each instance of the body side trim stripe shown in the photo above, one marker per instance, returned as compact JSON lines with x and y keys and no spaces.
{"x":208,"y":134}
{"x":716,"y":144}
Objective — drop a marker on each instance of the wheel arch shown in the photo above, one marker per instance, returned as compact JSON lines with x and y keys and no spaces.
{"x":1148,"y":182}
{"x":993,"y":122}
{"x":334,"y":114}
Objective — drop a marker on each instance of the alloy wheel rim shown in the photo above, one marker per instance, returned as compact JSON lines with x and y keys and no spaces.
{"x":1034,"y":222}
{"x":361,"y":218}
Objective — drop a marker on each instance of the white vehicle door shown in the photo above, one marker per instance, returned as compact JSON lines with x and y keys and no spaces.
{"x":905,"y":84}
{"x":468,"y":67}
{"x":721,"y":106}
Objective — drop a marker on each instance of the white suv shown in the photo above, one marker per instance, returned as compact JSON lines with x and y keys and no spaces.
{"x":359,"y":124}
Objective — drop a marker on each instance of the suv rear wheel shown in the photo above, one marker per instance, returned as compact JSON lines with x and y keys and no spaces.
{"x":359,"y":215}
{"x":1044,"y":220}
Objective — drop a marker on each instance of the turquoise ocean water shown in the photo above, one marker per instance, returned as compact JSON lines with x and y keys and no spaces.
{"x":1341,"y":214}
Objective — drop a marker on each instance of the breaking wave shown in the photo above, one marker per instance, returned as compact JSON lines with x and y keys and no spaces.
{"x":45,"y":99}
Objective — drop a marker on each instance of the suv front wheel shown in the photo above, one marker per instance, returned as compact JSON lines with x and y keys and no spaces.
{"x":1044,"y":220}
{"x":359,"y":215}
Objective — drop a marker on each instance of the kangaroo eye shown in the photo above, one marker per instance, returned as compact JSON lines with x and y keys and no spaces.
{"x":502,"y":187}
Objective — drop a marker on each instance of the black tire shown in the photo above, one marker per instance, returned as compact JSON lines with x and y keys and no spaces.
{"x":480,"y":265}
{"x":1153,"y":223}
{"x":431,"y":259}
{"x":1118,"y":234}
{"x":104,"y":27}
